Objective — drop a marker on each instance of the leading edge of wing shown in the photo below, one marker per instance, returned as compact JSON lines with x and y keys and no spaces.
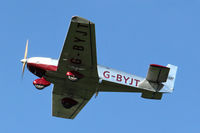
{"x":79,"y":49}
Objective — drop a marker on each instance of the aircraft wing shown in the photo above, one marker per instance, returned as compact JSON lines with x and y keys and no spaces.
{"x":74,"y":95}
{"x":79,"y":50}
{"x":78,"y":55}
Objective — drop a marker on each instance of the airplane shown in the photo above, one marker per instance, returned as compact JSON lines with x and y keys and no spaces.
{"x":77,"y":77}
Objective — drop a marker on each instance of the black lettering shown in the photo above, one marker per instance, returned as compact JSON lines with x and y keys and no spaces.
{"x":76,"y":39}
{"x":80,"y":48}
{"x":82,"y":32}
{"x":81,"y":25}
{"x":76,"y":61}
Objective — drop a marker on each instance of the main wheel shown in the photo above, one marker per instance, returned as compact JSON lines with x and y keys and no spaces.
{"x":72,"y":78}
{"x":39,"y":87}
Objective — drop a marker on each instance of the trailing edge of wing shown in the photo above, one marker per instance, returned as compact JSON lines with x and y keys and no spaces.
{"x":78,"y":19}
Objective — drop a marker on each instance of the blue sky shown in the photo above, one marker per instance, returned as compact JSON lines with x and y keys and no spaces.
{"x":130,"y":35}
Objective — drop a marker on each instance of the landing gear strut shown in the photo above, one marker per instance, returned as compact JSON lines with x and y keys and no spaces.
{"x":41,"y":83}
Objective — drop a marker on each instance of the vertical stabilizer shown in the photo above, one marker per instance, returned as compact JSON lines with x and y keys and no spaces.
{"x":169,"y":84}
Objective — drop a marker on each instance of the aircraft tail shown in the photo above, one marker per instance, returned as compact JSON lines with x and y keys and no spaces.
{"x":169,"y":84}
{"x":160,"y":79}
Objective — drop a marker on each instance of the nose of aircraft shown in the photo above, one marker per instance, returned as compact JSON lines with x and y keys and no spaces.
{"x":23,"y":60}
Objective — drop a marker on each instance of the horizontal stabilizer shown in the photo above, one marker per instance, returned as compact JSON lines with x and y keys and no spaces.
{"x":157,"y":73}
{"x":152,"y":95}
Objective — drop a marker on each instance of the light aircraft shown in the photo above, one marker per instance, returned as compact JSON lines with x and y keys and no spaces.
{"x":77,"y":77}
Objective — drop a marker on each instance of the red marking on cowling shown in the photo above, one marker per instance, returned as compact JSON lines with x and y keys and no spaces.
{"x":43,"y":66}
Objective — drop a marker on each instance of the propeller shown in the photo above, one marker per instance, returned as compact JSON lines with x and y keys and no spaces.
{"x":24,"y":61}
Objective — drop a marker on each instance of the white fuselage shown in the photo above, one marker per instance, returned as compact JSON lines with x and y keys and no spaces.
{"x":104,"y":73}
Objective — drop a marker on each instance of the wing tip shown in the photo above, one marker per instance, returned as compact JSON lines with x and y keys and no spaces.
{"x":62,"y":116}
{"x":81,"y":20}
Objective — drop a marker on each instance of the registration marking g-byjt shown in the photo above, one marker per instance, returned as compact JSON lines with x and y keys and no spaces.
{"x":79,"y":43}
{"x":121,"y":78}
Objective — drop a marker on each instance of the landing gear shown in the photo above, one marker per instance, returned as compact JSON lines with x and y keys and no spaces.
{"x":74,"y":75}
{"x":41,"y":83}
{"x":72,"y":78}
{"x":39,"y":87}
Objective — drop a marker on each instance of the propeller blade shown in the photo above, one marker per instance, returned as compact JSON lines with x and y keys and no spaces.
{"x":24,"y":61}
{"x":26,"y":50}
{"x":23,"y":68}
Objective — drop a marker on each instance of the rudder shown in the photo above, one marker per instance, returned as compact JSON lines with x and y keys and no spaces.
{"x":169,"y":84}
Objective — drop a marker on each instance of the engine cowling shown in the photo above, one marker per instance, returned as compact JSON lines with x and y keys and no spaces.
{"x":41,"y":83}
